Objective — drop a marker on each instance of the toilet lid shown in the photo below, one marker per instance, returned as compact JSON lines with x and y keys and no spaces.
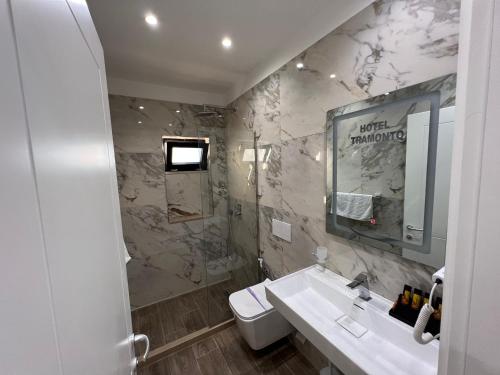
{"x":251,"y":302}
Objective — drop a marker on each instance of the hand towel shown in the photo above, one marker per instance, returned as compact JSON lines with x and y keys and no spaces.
{"x":355,"y":206}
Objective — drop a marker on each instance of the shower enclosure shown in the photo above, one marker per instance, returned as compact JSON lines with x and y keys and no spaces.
{"x":188,"y":199}
{"x":231,"y":233}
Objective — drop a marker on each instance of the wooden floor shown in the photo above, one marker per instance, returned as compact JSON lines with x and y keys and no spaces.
{"x":226,"y":353}
{"x":169,"y":320}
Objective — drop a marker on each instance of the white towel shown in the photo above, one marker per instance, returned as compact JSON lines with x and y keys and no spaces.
{"x":355,"y":206}
{"x":127,"y":255}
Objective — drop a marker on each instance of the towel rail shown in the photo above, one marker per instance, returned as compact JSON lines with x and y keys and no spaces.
{"x":374,"y":196}
{"x":411,"y":227}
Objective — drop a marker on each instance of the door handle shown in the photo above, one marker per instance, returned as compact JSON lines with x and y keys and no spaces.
{"x":138,"y":338}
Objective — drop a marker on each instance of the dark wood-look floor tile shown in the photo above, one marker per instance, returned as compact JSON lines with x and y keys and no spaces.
{"x":237,"y":353}
{"x":183,"y":362}
{"x":204,"y":346}
{"x":200,"y":297}
{"x":273,"y":356}
{"x":219,"y":310}
{"x":158,"y":368}
{"x":185,"y":303}
{"x":193,"y":321}
{"x":218,"y":313}
{"x":299,"y":365}
{"x":213,"y":363}
{"x":146,"y":320}
{"x":219,"y":293}
{"x":281,"y":369}
{"x":170,"y":318}
{"x":226,"y":353}
{"x":175,"y":335}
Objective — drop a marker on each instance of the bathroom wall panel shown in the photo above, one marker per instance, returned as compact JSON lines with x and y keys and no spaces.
{"x":168,"y":259}
{"x":389,"y":45}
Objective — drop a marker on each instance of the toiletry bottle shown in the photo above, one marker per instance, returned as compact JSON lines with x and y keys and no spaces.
{"x":405,"y":298}
{"x":417,"y":299}
{"x":437,"y":309}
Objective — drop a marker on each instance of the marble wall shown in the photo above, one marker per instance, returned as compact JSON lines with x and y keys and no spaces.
{"x":387,"y":46}
{"x":168,"y":259}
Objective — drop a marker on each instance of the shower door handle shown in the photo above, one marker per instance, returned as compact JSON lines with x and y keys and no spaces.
{"x":138,"y":338}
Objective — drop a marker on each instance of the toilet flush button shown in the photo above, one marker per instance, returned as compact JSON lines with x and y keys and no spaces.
{"x":282,"y":230}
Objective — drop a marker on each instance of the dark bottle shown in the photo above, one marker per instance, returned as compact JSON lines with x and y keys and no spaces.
{"x":406,"y":297}
{"x":437,"y":308}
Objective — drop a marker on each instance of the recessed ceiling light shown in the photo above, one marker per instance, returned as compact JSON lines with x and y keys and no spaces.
{"x":178,"y":111}
{"x":151,"y":20}
{"x":170,"y":124}
{"x":332,"y":75}
{"x":139,"y":122}
{"x":141,"y":107}
{"x":227,"y":42}
{"x":300,"y":65}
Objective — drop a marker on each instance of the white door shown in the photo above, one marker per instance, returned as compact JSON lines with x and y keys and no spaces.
{"x":64,"y":293}
{"x":470,"y":331}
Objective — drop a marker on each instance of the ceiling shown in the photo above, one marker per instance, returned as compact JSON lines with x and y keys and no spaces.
{"x":184,"y":50}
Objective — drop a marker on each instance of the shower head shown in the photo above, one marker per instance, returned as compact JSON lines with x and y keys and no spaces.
{"x":213,"y":111}
{"x":205,"y":113}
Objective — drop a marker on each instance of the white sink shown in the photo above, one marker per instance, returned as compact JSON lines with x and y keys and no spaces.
{"x":313,"y":299}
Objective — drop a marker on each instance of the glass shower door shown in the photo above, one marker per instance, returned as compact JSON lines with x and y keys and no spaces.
{"x":230,"y":228}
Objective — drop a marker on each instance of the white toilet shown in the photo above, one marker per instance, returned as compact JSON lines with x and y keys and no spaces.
{"x":259,"y":323}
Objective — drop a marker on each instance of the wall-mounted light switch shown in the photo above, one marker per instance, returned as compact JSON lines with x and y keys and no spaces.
{"x":282,"y":230}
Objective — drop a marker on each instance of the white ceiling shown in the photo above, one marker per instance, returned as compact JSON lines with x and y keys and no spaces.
{"x":185,"y":50}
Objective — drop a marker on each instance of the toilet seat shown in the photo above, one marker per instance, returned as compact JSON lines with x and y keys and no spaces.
{"x":251,"y":303}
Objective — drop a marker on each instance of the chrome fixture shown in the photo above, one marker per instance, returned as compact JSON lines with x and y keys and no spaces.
{"x":138,"y":338}
{"x":214,"y":111}
{"x":236,"y":211}
{"x":361,"y":282}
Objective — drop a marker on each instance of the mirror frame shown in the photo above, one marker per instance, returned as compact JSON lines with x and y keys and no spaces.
{"x":440,"y":93}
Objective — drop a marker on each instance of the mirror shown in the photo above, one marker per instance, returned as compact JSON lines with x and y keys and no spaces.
{"x":388,"y":162}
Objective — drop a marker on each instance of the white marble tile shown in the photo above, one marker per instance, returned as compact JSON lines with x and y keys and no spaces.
{"x":272,"y":247}
{"x":387,"y":272}
{"x":389,"y":45}
{"x":270,"y":176}
{"x":165,"y":275}
{"x":168,"y":259}
{"x":303,"y":181}
{"x":140,"y":178}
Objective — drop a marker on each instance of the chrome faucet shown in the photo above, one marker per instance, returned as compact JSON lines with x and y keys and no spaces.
{"x":361,"y":282}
